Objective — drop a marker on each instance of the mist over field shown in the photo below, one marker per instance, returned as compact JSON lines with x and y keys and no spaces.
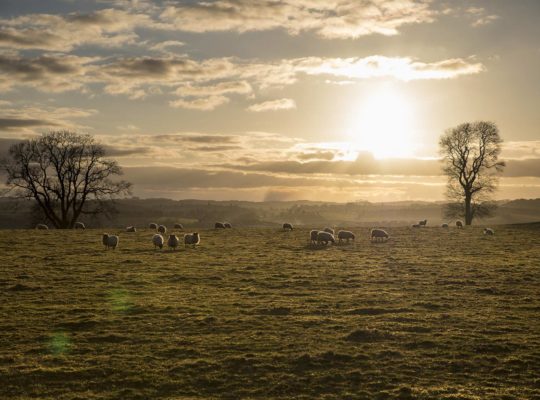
{"x":203,"y":213}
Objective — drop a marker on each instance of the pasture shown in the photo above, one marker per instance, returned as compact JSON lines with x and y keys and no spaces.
{"x":259,"y":314}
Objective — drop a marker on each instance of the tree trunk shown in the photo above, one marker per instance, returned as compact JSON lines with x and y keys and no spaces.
{"x":468,"y":209}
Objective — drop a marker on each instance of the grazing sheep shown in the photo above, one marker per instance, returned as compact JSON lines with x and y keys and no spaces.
{"x":489,"y":231}
{"x":110,"y":241}
{"x":313,"y":236}
{"x":162,"y":229}
{"x":219,"y":225}
{"x":444,"y":226}
{"x":329,"y":230}
{"x":42,"y":226}
{"x":459,"y":224}
{"x":346,"y":235}
{"x":173,"y":241}
{"x":192,"y":239}
{"x":227,"y":225}
{"x":379,"y":234}
{"x":157,"y":240}
{"x":152,"y":226}
{"x":79,"y":225}
{"x":131,"y":229}
{"x":178,"y":226}
{"x":422,"y":223}
{"x":287,"y":227}
{"x":416,"y":225}
{"x":325,"y":237}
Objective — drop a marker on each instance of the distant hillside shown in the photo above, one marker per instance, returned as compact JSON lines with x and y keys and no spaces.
{"x":201,"y":213}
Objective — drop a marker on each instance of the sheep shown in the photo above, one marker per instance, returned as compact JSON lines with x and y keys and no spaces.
{"x":325,"y":237}
{"x":346,"y":235}
{"x":489,"y":231}
{"x":444,"y":225}
{"x":178,"y":226}
{"x":192,"y":239}
{"x":329,"y":230}
{"x":162,"y":229}
{"x":42,"y":227}
{"x":219,"y":225}
{"x":110,"y":241}
{"x":227,"y":225}
{"x":173,"y":241}
{"x":313,"y":236}
{"x":157,"y":240}
{"x":79,"y":225}
{"x":287,"y":227}
{"x":422,"y":223}
{"x":152,"y":225}
{"x":131,"y":229}
{"x":459,"y":224}
{"x":379,"y":234}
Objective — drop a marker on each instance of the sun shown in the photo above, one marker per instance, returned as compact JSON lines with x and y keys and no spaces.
{"x":384,"y":123}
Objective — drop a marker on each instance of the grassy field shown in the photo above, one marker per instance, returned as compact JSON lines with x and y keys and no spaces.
{"x":257,"y":313}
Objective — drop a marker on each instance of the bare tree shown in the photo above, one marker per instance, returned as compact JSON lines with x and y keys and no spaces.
{"x":65,"y":173}
{"x":470,"y":154}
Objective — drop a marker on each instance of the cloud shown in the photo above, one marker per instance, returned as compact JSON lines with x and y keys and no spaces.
{"x":30,"y":120}
{"x":47,"y":72}
{"x":401,"y":68}
{"x":16,"y":123}
{"x":317,"y":155}
{"x":107,"y":28}
{"x":331,"y":19}
{"x":210,"y":83}
{"x":200,"y":104}
{"x":273,"y":105}
{"x":480,"y":16}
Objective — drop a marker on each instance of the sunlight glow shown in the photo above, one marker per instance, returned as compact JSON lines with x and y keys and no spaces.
{"x":384,"y":124}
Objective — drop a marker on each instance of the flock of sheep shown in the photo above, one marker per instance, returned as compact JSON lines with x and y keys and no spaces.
{"x":324,"y":237}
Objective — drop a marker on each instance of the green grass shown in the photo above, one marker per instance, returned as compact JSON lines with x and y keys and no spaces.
{"x":257,"y":313}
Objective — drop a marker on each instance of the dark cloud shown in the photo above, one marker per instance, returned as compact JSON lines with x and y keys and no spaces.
{"x":14,"y":123}
{"x":198,"y":138}
{"x":117,"y":151}
{"x":216,"y":148}
{"x":316,"y":155}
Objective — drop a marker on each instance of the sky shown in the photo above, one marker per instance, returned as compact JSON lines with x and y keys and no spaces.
{"x":334,"y":100}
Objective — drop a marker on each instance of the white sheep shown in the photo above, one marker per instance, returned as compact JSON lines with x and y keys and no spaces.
{"x":379,"y":234}
{"x":346,"y":235}
{"x":42,"y":227}
{"x":152,"y":225}
{"x":287,"y":227}
{"x":422,"y":223}
{"x":227,"y":225}
{"x":444,"y":225}
{"x":110,"y":241}
{"x":219,"y":225}
{"x":313,"y":236}
{"x":459,"y":224}
{"x":157,"y":240}
{"x":162,"y":229}
{"x":328,"y":230}
{"x":131,"y":229}
{"x":79,"y":225}
{"x":325,"y":237}
{"x":173,"y":241}
{"x":178,"y":226}
{"x":489,"y":231}
{"x":192,"y":239}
